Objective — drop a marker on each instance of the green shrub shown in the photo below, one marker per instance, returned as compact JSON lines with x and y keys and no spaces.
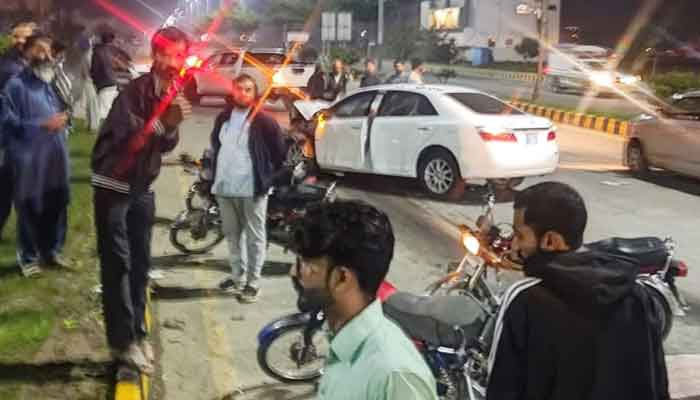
{"x":446,"y":74}
{"x":666,"y":85}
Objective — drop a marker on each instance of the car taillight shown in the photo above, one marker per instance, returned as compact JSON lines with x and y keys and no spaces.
{"x":497,"y":137}
{"x":552,"y":135}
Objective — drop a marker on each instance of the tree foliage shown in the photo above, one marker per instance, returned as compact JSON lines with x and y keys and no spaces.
{"x":243,"y":20}
{"x":529,"y":48}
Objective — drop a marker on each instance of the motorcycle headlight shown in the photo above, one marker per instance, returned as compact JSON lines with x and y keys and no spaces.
{"x":471,"y":243}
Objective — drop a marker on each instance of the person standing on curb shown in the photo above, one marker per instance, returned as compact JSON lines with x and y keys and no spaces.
{"x":106,"y":61}
{"x":126,"y":160}
{"x":248,"y":155}
{"x":416,"y":75}
{"x":399,"y":76}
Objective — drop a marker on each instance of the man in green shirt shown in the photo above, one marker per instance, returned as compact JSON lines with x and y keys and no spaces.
{"x":345,"y":249}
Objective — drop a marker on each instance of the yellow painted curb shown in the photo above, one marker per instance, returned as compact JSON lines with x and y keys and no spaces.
{"x":602,"y":124}
{"x":127,"y":390}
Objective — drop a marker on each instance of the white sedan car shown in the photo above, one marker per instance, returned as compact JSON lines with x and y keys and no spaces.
{"x":441,"y":135}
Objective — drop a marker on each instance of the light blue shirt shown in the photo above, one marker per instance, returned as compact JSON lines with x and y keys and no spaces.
{"x":234,"y":166}
{"x":371,"y":358}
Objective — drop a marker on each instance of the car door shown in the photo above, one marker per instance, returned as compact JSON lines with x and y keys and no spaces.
{"x":405,"y":121}
{"x":340,"y":137}
{"x":669,"y":140}
{"x":687,"y":159}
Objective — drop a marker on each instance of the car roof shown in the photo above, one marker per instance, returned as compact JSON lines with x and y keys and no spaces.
{"x":421,"y":88}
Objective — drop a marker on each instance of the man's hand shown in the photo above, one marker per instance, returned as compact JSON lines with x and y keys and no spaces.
{"x":178,"y":111}
{"x":56,"y":123}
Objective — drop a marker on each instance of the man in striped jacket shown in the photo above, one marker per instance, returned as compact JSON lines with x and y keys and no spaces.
{"x":141,"y":126}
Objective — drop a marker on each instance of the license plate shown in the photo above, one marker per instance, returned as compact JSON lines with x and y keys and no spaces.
{"x":531,"y":138}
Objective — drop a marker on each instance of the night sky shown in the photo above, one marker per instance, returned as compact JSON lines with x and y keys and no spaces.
{"x":605,"y":21}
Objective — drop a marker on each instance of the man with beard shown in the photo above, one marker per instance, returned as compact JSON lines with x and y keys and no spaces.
{"x":580,"y":327}
{"x":399,"y":75}
{"x":11,"y":64}
{"x":345,"y":249}
{"x":248,"y":158}
{"x":37,"y":148}
{"x":141,"y":126}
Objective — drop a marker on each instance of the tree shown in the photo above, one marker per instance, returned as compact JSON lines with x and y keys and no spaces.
{"x":529,"y":48}
{"x":290,"y":11}
{"x":243,"y":20}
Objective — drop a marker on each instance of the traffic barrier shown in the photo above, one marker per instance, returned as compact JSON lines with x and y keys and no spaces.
{"x":139,"y":390}
{"x":607,"y":125}
{"x":483,"y":72}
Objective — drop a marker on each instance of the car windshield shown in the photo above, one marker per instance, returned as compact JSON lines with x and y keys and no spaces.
{"x":483,"y":104}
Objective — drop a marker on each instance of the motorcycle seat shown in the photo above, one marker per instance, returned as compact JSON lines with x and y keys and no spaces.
{"x":302,"y":193}
{"x":648,"y":251}
{"x":433,"y":319}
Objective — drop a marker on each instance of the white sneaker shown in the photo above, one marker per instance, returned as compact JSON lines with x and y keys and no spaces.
{"x":135,"y":357}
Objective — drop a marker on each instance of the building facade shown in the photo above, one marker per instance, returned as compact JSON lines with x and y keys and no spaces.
{"x":489,"y":23}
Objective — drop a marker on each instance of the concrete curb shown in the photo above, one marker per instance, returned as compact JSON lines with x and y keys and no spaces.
{"x":607,"y":125}
{"x":484,"y":73}
{"x":140,"y":389}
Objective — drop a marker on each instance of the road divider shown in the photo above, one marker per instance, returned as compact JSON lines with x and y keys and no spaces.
{"x":483,"y":72}
{"x":607,"y":125}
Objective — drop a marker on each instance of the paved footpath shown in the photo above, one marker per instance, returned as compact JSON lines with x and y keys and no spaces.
{"x":207,"y":342}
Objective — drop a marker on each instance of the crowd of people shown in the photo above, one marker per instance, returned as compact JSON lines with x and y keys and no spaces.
{"x":582,"y":331}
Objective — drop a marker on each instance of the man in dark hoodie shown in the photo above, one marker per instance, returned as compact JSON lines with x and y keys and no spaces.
{"x":579,"y":327}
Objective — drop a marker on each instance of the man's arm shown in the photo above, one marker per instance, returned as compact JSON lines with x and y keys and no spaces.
{"x":407,"y":386}
{"x":275,"y":143}
{"x":508,"y":380}
{"x":14,"y":118}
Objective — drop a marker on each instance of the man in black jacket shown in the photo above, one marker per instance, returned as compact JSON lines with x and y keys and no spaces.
{"x":141,"y":126}
{"x":248,"y":156}
{"x":370,"y":78}
{"x":108,"y":65}
{"x":580,"y":327}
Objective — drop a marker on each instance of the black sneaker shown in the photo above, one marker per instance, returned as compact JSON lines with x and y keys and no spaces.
{"x":249,"y":295}
{"x":230,"y":286}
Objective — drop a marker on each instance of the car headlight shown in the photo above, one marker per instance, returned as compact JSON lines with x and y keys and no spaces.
{"x":602,"y":79}
{"x":277,"y":79}
{"x":471,"y":243}
{"x":629,"y":79}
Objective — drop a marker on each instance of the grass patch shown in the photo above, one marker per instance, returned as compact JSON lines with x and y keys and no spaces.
{"x":59,"y":306}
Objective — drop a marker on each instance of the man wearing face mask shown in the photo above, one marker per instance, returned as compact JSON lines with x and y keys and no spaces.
{"x":248,"y":158}
{"x":344,"y":250}
{"x":142,"y":125}
{"x":39,"y":157}
{"x":579,"y":327}
{"x":11,"y":64}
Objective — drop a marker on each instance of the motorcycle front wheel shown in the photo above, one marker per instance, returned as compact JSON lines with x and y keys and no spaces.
{"x":191,"y":238}
{"x":287,"y":359}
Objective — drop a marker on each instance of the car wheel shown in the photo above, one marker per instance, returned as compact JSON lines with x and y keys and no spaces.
{"x":191,"y":93}
{"x":636,"y":160}
{"x":439,"y":175}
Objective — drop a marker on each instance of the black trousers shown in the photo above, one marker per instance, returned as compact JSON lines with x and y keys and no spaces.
{"x":7,"y":183}
{"x":124,"y":229}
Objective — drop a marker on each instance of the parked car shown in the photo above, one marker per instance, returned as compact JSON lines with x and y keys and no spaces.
{"x":266,"y":66}
{"x":441,"y":135}
{"x":669,"y":140}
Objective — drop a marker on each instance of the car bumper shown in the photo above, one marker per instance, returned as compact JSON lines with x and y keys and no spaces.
{"x":510,"y":160}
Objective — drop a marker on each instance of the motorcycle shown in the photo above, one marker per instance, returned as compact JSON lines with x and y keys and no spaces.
{"x":198,"y":228}
{"x":451,"y":332}
{"x":304,"y":115}
{"x":453,"y":323}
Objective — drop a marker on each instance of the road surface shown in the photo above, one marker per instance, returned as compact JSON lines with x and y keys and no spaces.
{"x":206,"y":342}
